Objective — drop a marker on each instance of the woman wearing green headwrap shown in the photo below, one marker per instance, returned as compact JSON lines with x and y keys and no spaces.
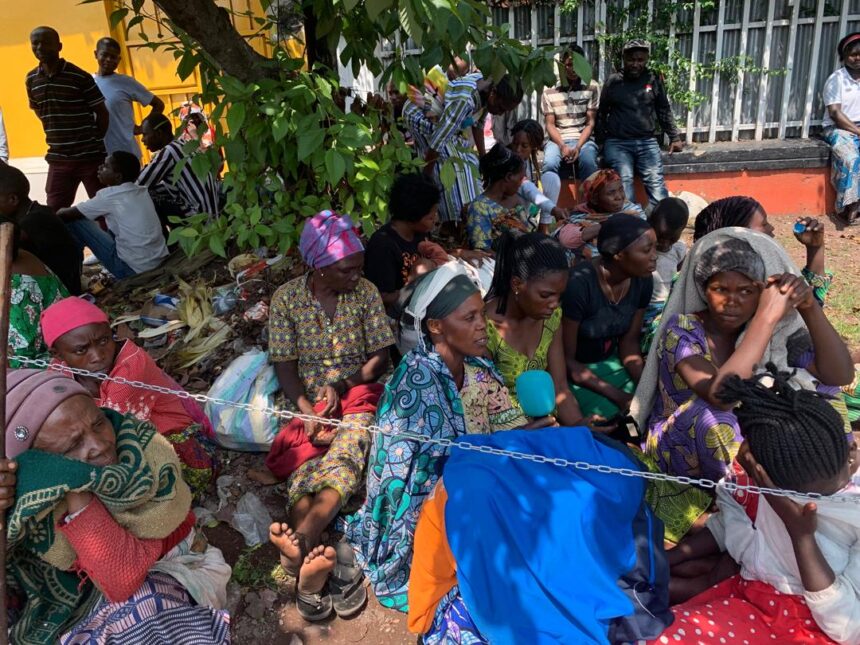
{"x":102,"y":542}
{"x":440,"y":390}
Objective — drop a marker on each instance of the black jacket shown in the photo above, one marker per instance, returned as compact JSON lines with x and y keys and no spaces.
{"x":631,"y":109}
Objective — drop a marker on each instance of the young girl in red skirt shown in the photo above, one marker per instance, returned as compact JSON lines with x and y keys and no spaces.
{"x":798,"y":561}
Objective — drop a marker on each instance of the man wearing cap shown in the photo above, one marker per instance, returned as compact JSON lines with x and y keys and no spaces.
{"x":632,"y":103}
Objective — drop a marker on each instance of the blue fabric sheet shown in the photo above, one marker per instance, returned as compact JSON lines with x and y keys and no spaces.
{"x":540,"y":548}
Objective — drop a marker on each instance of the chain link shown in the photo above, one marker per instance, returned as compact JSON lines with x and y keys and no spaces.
{"x":560,"y":462}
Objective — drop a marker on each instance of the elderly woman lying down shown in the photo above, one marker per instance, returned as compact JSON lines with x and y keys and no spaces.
{"x":101,"y":537}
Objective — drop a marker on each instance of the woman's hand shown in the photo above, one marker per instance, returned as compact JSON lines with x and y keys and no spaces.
{"x":800,"y":520}
{"x":560,"y":214}
{"x":8,"y":479}
{"x":78,"y":501}
{"x":541,"y":422}
{"x":475,"y":258}
{"x":329,"y":394}
{"x":813,"y":235}
{"x":780,"y":294}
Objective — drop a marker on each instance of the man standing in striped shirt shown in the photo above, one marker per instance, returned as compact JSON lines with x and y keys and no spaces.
{"x":467,"y":101}
{"x":74,"y":116}
{"x":188,"y":194}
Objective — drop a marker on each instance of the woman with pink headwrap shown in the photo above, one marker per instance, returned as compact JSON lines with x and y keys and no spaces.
{"x":329,"y":340}
{"x":604,"y":196}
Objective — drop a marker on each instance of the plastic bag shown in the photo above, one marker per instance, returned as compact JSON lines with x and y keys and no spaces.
{"x":248,"y":379}
{"x":252,"y":519}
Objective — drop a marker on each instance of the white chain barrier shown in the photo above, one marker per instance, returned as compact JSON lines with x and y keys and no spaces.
{"x":287,"y":415}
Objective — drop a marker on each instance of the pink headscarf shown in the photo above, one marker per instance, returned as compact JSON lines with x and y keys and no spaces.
{"x":68,"y":314}
{"x":328,"y":238}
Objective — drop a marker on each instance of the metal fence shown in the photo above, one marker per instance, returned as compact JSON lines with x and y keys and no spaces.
{"x":793,"y":42}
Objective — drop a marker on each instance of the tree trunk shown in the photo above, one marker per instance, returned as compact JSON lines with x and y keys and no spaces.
{"x":211,"y":27}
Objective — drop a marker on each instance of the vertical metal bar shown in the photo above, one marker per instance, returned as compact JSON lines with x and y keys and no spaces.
{"x":843,"y":27}
{"x":533,"y":98}
{"x":512,"y":21}
{"x":812,"y":81}
{"x":626,"y":15}
{"x":599,"y":28}
{"x":789,"y":66}
{"x":694,"y":59}
{"x":715,"y":90}
{"x":7,"y":234}
{"x":765,"y":66}
{"x":556,"y":26}
{"x":580,"y":27}
{"x":739,"y":94}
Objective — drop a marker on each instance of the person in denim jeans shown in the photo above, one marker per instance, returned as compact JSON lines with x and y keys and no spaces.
{"x":632,"y":103}
{"x":569,"y":111}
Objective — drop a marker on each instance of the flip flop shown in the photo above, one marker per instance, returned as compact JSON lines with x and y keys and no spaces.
{"x":314,"y":607}
{"x":346,"y":583}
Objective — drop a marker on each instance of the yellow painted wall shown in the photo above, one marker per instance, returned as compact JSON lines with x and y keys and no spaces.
{"x":80,"y":26}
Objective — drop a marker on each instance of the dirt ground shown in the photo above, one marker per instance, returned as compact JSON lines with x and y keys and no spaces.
{"x":261,"y":600}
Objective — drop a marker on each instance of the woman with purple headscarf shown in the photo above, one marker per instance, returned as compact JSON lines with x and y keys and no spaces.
{"x":329,"y":340}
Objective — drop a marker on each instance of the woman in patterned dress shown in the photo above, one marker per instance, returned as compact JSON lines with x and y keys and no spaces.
{"x":441,"y":390}
{"x":329,"y":340}
{"x":742,"y":303}
{"x":34,"y":289}
{"x":524,"y":317}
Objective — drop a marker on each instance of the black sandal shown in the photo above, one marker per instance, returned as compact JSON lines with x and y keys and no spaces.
{"x":314,"y":607}
{"x":346,"y":583}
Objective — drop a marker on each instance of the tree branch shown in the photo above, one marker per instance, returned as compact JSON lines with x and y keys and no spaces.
{"x":211,"y":27}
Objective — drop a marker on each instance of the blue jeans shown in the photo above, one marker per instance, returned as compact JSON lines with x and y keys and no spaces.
{"x":101,"y":243}
{"x":639,"y":156}
{"x":586,"y":163}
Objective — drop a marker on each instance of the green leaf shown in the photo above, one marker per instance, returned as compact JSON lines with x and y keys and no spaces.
{"x":410,"y":21}
{"x":349,"y":5}
{"x":582,"y":67}
{"x":235,"y":118}
{"x":447,"y":175}
{"x":280,"y":127}
{"x":376,"y":7}
{"x":335,"y":166}
{"x":131,"y":23}
{"x":186,"y":65}
{"x":216,"y":245}
{"x":309,"y":141}
{"x":118,"y":16}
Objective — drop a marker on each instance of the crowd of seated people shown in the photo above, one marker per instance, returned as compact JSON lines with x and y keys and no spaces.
{"x":683,"y":368}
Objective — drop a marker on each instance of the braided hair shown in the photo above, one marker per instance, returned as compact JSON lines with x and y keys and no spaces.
{"x":797,"y":436}
{"x":527,"y":256}
{"x":498,"y":163}
{"x":729,"y":211}
{"x":533,"y":130}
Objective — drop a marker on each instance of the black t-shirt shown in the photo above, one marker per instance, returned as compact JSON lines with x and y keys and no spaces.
{"x":389,"y":258}
{"x":601,"y":324}
{"x":44,"y":235}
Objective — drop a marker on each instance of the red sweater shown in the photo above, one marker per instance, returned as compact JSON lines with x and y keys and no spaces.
{"x":111,"y":556}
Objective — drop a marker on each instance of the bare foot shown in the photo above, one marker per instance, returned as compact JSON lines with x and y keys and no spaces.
{"x":283,"y":537}
{"x":263,"y":476}
{"x":315,"y":569}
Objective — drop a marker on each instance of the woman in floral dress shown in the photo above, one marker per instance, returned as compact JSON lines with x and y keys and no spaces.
{"x":34,"y":289}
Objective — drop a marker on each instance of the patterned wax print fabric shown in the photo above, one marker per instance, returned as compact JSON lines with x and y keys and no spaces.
{"x":686,"y":435}
{"x":448,"y":133}
{"x":486,"y":220}
{"x":31,"y":295}
{"x":327,"y":349}
{"x":452,"y":623}
{"x":512,"y":363}
{"x":844,"y":165}
{"x":160,"y":607}
{"x":422,"y":398}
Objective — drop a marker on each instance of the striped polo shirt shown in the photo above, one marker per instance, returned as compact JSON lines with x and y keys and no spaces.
{"x":64,"y":103}
{"x":570,"y":107}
